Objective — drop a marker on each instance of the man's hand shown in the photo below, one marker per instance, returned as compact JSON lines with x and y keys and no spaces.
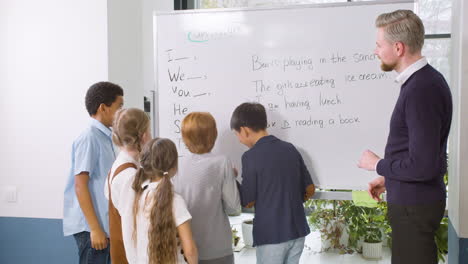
{"x":98,"y":239}
{"x":368,"y":160}
{"x":376,"y":188}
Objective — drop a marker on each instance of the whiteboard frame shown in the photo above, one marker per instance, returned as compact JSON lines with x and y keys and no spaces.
{"x":217,"y":10}
{"x":328,"y":195}
{"x":285,"y":7}
{"x":155,"y":80}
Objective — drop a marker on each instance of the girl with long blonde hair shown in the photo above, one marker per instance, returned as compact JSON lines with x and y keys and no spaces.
{"x":159,"y":214}
{"x":131,"y":130}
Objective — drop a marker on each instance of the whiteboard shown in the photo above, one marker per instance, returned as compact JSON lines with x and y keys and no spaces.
{"x":311,"y":66}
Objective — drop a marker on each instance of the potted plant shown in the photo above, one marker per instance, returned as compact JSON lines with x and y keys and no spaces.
{"x":235,"y":238}
{"x":326,"y":216}
{"x":376,"y":223}
{"x":366,"y":224}
{"x":247,"y":235}
{"x":372,"y":245}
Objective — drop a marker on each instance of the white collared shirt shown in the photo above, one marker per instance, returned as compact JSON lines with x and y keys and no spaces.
{"x":404,"y":75}
{"x":122,"y":197}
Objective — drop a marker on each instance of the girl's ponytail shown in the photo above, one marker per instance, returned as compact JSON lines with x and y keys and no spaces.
{"x":162,"y":234}
{"x":158,"y":161}
{"x":136,"y":186}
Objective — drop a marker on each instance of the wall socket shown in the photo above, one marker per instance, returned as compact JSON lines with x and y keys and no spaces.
{"x":11,"y":194}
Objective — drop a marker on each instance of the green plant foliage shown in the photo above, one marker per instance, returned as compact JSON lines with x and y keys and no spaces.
{"x":441,"y":239}
{"x":235,"y":237}
{"x":366,"y":224}
{"x":332,"y":218}
{"x":327,"y":217}
{"x":362,"y":223}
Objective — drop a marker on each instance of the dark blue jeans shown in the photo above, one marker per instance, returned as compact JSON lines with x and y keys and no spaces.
{"x":89,"y":255}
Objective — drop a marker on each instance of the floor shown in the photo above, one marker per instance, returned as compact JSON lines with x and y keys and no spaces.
{"x":311,"y":253}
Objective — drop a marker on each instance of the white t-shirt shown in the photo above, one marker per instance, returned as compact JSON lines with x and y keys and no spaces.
{"x":124,"y":178}
{"x":123,"y":197}
{"x":180,"y":212}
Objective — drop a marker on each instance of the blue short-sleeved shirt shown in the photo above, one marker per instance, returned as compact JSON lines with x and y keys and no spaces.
{"x":275,"y":177}
{"x":92,"y":152}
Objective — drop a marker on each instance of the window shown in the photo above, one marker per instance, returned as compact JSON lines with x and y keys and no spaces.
{"x":436,"y":16}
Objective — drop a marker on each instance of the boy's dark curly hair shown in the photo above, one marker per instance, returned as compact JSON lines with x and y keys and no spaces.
{"x":101,"y":93}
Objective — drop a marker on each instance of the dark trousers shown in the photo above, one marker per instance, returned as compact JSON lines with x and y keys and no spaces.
{"x":89,"y":255}
{"x":413,"y":230}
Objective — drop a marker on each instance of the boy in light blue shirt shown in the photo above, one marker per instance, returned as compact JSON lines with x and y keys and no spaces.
{"x":85,"y":214}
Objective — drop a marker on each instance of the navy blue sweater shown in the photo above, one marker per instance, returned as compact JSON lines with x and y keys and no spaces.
{"x":275,"y":177}
{"x":415,"y":156}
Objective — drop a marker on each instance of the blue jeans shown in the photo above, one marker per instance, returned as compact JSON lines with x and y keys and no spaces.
{"x":288,"y":252}
{"x":89,"y":255}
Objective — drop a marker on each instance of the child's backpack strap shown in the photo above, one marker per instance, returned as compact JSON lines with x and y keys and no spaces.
{"x":122,"y":168}
{"x":117,"y":249}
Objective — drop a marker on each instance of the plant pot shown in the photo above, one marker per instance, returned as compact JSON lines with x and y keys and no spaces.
{"x":247,"y":235}
{"x":372,"y":250}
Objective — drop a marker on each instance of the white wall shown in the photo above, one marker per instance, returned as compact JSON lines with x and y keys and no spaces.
{"x":149,"y":6}
{"x":458,"y":158}
{"x":51,"y":52}
{"x":125,"y":53}
{"x":131,"y":56}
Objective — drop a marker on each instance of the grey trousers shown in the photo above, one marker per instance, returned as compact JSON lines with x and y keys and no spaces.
{"x":224,"y":260}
